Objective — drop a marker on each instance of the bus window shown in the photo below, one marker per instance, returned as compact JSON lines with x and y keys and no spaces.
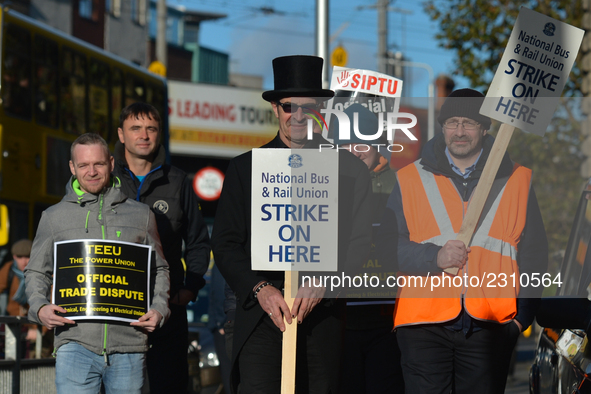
{"x":155,"y":97}
{"x":150,"y":95}
{"x":45,"y":81}
{"x":16,"y":76}
{"x":116,"y":100}
{"x":56,"y":165}
{"x":98,"y":95}
{"x":135,"y":90}
{"x":73,"y":92}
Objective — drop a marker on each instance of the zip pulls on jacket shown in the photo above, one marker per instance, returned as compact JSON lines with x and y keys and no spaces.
{"x":80,"y":193}
{"x":100,"y":220}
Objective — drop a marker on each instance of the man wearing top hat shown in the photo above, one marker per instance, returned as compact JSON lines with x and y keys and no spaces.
{"x":260,"y":306}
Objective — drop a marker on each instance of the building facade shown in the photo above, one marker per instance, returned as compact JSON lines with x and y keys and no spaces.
{"x":128,"y":29}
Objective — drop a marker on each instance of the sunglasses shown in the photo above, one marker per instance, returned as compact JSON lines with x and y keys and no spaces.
{"x":288,"y":108}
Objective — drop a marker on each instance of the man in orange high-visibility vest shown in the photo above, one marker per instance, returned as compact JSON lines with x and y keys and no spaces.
{"x":458,"y":332}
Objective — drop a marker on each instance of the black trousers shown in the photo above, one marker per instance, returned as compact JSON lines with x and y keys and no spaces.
{"x":438,"y":360}
{"x":168,"y":370}
{"x":372,"y":362}
{"x":318,"y":357}
{"x":225,"y":363}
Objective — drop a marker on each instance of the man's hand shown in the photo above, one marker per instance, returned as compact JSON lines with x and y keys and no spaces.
{"x":272,"y":302}
{"x":342,"y":80}
{"x":47,"y":316}
{"x":183,"y":297}
{"x":150,"y":321}
{"x":307,"y":298}
{"x":453,"y":254}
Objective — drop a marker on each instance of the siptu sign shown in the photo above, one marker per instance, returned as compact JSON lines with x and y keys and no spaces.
{"x":533,"y":72}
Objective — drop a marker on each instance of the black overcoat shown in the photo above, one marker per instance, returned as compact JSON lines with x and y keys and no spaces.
{"x":232,"y":234}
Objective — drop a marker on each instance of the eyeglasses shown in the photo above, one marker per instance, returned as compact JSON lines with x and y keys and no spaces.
{"x":467,"y":125}
{"x":288,"y":108}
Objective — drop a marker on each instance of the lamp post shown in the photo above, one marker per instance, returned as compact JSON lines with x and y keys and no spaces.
{"x":431,"y":91}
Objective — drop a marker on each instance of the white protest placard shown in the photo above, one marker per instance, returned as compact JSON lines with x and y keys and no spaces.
{"x":524,"y":93}
{"x":533,"y":72}
{"x":380,"y":93}
{"x":369,"y":82}
{"x":294,"y":210}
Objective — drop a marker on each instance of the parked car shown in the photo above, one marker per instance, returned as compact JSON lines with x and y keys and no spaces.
{"x":562,"y":363}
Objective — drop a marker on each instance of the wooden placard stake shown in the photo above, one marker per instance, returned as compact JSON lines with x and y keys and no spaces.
{"x":483,"y":187}
{"x":290,"y":336}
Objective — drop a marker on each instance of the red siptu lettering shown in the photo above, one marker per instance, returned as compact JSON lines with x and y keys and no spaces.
{"x":367,"y":82}
{"x":371,"y":81}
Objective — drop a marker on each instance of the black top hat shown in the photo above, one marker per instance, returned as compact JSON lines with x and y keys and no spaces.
{"x":297,"y":76}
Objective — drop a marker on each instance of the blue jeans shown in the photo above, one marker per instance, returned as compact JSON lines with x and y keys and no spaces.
{"x":80,"y":371}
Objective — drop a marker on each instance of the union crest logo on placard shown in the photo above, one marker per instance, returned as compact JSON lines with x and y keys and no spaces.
{"x":549,"y":29}
{"x":295,"y":161}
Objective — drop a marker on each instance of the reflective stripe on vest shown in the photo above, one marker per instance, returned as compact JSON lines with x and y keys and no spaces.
{"x":434,"y":212}
{"x":481,"y":237}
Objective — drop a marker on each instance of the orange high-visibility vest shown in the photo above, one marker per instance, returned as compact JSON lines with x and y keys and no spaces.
{"x":434,"y":210}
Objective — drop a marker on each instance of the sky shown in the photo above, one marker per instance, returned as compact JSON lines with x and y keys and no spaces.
{"x":253,"y":38}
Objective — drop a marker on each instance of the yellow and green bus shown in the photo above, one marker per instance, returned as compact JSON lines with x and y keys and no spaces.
{"x":54,"y":87}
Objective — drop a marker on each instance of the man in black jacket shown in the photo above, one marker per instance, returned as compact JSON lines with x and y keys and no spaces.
{"x":145,"y":177}
{"x":256,"y":351}
{"x":372,"y":360}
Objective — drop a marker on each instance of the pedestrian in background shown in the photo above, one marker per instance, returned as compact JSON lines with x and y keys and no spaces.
{"x":372,"y":357}
{"x":12,"y":278}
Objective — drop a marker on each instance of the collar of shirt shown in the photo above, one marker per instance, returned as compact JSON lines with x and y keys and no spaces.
{"x":457,"y":170}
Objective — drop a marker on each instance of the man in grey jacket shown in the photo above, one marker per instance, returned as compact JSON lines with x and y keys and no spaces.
{"x":93,"y":351}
